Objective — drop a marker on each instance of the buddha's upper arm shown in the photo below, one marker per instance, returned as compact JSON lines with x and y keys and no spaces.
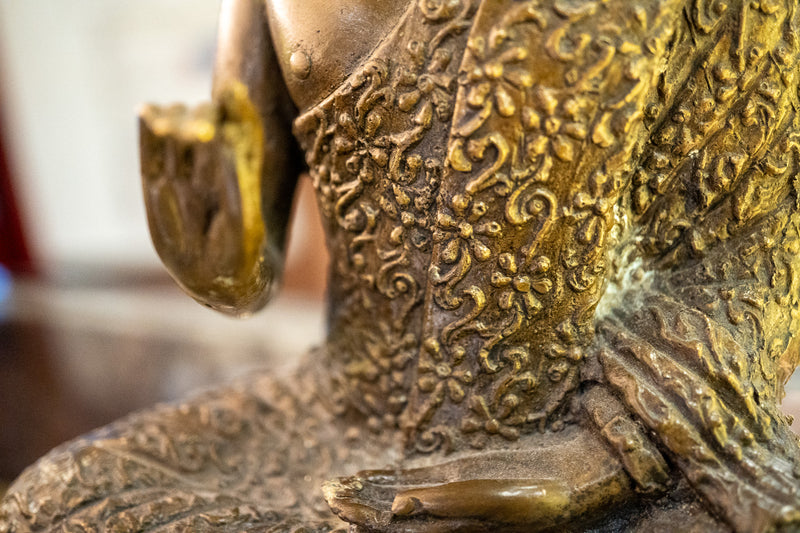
{"x":246,"y":56}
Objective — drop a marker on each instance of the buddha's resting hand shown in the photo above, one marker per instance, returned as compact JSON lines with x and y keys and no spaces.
{"x":201,"y":172}
{"x":472,"y":505}
{"x":537,"y":488}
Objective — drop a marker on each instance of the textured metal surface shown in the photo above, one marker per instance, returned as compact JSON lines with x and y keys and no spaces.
{"x":564,"y":286}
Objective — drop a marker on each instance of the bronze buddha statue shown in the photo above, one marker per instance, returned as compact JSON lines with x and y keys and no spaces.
{"x":564,"y":279}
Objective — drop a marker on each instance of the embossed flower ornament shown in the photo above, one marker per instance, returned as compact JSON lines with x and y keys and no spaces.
{"x":494,"y":81}
{"x":435,"y":84}
{"x":519,"y":289}
{"x":410,"y":207}
{"x":357,"y":134}
{"x":387,"y":356}
{"x":362,"y":152}
{"x":437,"y":373}
{"x":464,"y":229}
{"x":589,"y":212}
{"x":554,"y":126}
{"x":564,"y":353}
{"x":501,"y":420}
{"x":439,"y":378}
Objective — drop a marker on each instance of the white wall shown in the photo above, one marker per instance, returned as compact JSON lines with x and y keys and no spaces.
{"x":73,"y":73}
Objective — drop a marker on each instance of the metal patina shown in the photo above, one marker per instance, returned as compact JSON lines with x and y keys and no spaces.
{"x":564,"y":279}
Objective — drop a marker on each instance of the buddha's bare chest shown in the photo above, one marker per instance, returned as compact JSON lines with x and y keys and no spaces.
{"x":320,"y":42}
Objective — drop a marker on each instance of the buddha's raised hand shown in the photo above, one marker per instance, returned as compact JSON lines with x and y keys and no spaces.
{"x":218,"y":179}
{"x":202,"y":171}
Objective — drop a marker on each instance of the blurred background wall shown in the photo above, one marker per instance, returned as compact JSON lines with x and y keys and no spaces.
{"x":73,"y":75}
{"x":90,"y":325}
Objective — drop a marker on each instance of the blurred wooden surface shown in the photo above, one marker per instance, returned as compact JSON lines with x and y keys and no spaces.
{"x":94,"y":345}
{"x":74,"y":359}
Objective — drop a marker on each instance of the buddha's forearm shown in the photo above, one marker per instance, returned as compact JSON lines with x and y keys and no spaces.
{"x":246,"y":58}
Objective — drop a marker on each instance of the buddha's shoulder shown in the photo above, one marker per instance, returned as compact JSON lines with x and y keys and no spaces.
{"x":320,"y":43}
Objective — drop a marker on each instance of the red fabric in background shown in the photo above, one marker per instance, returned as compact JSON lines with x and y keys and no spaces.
{"x":14,"y":251}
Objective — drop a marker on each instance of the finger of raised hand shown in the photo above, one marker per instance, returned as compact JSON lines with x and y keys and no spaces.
{"x":184,"y":191}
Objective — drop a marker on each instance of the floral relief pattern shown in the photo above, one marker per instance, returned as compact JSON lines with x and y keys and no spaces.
{"x":377,"y":184}
{"x":526,"y":194}
{"x":441,"y":379}
{"x":521,"y":125}
{"x":489,"y":253}
{"x":519,"y":291}
{"x":555,"y":125}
